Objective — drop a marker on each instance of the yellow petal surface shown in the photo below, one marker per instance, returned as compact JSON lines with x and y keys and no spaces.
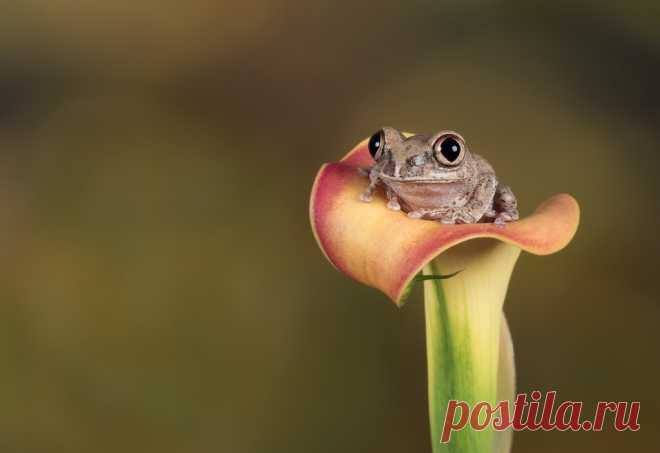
{"x":385,"y":249}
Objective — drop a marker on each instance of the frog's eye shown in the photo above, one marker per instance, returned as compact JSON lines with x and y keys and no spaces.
{"x":449,"y":149}
{"x":376,"y":144}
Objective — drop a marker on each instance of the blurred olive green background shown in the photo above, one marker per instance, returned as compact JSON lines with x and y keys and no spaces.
{"x":160,"y":286}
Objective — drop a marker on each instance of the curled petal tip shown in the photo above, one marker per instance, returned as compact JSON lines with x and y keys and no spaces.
{"x":385,"y":249}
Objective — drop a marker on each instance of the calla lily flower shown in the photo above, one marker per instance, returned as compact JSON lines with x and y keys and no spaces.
{"x":469,"y":347}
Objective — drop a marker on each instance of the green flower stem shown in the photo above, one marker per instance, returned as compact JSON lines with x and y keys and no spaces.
{"x":469,"y":349}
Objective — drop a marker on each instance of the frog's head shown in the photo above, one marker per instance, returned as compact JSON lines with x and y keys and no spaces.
{"x":440,"y":157}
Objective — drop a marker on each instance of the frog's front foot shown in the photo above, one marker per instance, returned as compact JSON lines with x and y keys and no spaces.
{"x":366,"y":196}
{"x":392,"y":200}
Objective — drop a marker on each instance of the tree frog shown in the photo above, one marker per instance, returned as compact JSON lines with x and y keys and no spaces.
{"x":436,"y":177}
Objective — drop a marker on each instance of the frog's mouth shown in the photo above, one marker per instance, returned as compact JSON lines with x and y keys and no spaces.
{"x":421,"y":180}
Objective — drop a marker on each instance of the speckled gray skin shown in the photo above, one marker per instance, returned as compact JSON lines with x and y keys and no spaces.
{"x":421,"y":180}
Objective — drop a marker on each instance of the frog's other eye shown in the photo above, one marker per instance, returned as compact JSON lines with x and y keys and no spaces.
{"x":449,"y":150}
{"x":376,"y":144}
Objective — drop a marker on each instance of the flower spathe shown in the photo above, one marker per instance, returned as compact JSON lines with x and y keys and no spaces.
{"x":469,"y":346}
{"x":385,"y":249}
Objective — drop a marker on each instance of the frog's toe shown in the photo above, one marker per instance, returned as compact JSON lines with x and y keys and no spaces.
{"x":366,"y":197}
{"x":415,"y":214}
{"x":394,"y":205}
{"x":514,"y":215}
{"x":502,"y":218}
